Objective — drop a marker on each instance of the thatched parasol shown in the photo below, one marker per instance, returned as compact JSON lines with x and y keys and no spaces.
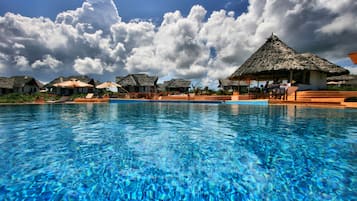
{"x":105,"y":85}
{"x":274,"y":59}
{"x":73,"y":84}
{"x":110,"y":85}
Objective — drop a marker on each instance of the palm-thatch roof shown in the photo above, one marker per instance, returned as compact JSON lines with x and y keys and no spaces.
{"x":177,"y":83}
{"x":231,"y":83}
{"x":325,"y":66}
{"x":275,"y":59}
{"x":17,"y":82}
{"x":137,"y":80}
{"x":6,"y":83}
{"x":21,"y":81}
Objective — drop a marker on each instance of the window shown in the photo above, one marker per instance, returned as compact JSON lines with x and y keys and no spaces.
{"x":301,"y":77}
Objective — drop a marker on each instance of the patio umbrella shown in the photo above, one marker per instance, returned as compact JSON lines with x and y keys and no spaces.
{"x":73,"y":84}
{"x":110,"y":85}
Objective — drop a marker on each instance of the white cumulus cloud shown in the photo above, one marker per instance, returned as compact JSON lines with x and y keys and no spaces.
{"x":47,"y":61}
{"x":203,"y":46}
{"x":88,"y":66}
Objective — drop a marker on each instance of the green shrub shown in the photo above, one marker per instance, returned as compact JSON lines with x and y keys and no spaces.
{"x":16,"y":98}
{"x":27,"y":98}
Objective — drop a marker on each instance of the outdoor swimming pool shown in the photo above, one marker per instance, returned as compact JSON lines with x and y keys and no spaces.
{"x":167,"y":151}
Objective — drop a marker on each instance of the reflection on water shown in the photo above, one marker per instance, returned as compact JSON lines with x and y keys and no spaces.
{"x":177,"y":151}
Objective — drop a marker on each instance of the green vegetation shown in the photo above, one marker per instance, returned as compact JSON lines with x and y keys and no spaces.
{"x":223,"y":92}
{"x":16,"y":98}
{"x":27,"y":98}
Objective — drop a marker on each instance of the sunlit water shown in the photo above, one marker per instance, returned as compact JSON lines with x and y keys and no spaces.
{"x":162,"y":151}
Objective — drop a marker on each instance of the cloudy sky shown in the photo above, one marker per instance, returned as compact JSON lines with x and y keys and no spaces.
{"x":202,"y":40}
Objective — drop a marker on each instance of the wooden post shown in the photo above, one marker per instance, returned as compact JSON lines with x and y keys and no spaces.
{"x":291,"y":76}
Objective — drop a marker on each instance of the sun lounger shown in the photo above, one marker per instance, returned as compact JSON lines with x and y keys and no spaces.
{"x":90,"y":95}
{"x":61,"y":100}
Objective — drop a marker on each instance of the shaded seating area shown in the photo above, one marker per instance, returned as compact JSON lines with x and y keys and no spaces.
{"x":277,"y":62}
{"x":67,"y":86}
{"x":275,"y":91}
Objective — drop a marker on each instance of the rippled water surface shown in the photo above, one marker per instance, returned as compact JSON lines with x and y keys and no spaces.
{"x":162,"y":151}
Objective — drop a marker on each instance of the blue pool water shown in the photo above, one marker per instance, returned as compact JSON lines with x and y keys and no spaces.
{"x":167,"y":151}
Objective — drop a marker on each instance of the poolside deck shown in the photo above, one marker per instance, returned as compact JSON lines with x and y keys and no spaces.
{"x":307,"y":98}
{"x":321,"y":98}
{"x":91,"y":100}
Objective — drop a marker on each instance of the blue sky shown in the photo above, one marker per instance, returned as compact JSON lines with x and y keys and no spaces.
{"x":128,"y":9}
{"x":37,"y":8}
{"x":203,"y":42}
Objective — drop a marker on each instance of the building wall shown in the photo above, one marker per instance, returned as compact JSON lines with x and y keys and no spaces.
{"x":70,"y":91}
{"x":317,"y":81}
{"x":140,"y":89}
{"x":178,"y":89}
{"x":27,"y":89}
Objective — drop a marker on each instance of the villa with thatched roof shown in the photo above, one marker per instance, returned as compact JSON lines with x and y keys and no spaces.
{"x":274,"y":60}
{"x":53,"y":88}
{"x":18,"y":84}
{"x":343,"y":80}
{"x":138,"y":83}
{"x":232,"y":85}
{"x":177,"y":85}
{"x":6,"y":85}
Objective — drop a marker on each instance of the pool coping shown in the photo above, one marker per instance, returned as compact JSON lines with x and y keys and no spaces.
{"x":265,"y":102}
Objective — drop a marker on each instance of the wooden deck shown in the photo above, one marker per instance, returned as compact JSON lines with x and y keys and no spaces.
{"x":326,"y":98}
{"x":321,"y":96}
{"x":333,"y":98}
{"x":195,"y":97}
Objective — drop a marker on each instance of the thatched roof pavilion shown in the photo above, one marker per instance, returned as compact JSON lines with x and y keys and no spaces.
{"x":138,"y":83}
{"x":137,"y":80}
{"x":232,"y":85}
{"x":275,"y":60}
{"x":342,"y":80}
{"x":58,"y":85}
{"x":176,"y":85}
